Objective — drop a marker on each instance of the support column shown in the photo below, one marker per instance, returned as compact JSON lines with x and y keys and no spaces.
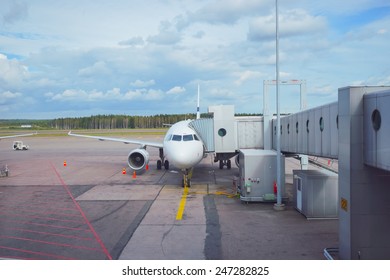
{"x":364,"y":192}
{"x":304,"y":161}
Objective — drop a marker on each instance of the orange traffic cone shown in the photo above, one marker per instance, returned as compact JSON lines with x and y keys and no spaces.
{"x":134,"y":175}
{"x":147,"y":167}
{"x":64,"y":162}
{"x":124,"y":171}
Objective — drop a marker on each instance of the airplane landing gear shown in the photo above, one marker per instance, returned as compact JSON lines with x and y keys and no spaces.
{"x":187,"y":175}
{"x":161,"y":160}
{"x":186,"y":182}
{"x":224,"y":159}
{"x":159,"y":164}
{"x":226,"y":163}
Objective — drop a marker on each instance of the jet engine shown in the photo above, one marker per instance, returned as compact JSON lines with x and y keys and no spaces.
{"x":138,"y":159}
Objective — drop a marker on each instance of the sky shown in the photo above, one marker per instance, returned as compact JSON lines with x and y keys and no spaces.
{"x":75,"y":58}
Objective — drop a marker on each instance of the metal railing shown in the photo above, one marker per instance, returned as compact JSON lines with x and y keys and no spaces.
{"x":329,"y":251}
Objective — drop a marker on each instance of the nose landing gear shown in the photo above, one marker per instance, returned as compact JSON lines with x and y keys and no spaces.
{"x":187,"y":175}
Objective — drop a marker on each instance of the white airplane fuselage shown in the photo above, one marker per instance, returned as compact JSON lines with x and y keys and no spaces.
{"x":182,"y":146}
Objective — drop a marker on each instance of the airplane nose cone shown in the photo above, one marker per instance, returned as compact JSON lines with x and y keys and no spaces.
{"x":186,"y":158}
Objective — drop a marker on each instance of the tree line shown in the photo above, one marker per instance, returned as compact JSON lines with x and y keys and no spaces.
{"x":117,"y":121}
{"x":106,"y":121}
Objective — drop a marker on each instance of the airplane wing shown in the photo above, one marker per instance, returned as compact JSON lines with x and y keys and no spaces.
{"x":123,"y":140}
{"x":20,"y":135}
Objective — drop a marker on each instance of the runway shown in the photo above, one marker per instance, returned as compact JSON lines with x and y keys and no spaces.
{"x":88,"y":209}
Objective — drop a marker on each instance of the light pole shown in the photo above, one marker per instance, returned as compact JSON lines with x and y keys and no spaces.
{"x":278,"y":205}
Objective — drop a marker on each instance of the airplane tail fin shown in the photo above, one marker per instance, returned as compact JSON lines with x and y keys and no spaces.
{"x":197,"y":109}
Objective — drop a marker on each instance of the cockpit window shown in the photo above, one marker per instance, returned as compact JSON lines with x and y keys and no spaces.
{"x":176,"y":137}
{"x":188,"y":137}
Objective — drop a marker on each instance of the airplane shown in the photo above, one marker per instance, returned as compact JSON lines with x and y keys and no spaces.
{"x":13,"y":136}
{"x":181,"y":147}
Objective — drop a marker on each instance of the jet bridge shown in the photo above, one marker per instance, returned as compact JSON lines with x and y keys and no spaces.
{"x":311,"y":132}
{"x":317,"y":131}
{"x":356,"y":130}
{"x":224,"y":134}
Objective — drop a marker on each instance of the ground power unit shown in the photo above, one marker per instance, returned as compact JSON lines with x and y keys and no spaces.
{"x":258,"y":176}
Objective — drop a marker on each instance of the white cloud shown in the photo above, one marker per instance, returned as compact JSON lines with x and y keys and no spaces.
{"x":98,"y":68}
{"x":371,"y":31}
{"x":84,"y":96}
{"x":135,"y":41}
{"x":70,"y":94}
{"x":176,"y":90}
{"x":154,"y":95}
{"x":291,"y":23}
{"x":247,"y":75}
{"x":12,"y":72}
{"x":167,"y":35}
{"x":222,"y":94}
{"x":143,"y":94}
{"x":228,"y":11}
{"x":284,"y":75}
{"x":199,"y":34}
{"x":142,"y":84}
{"x":323,"y":90}
{"x":9,"y":97}
{"x":133,"y":95}
{"x":113,"y":95}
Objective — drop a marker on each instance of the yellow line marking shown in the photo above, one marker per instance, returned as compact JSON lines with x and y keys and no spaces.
{"x":186,"y":192}
{"x":182,"y":204}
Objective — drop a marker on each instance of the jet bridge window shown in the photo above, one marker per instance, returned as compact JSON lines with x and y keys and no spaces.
{"x":376,"y":119}
{"x":176,"y":137}
{"x":322,"y":124}
{"x":222,"y":132}
{"x":188,"y":137}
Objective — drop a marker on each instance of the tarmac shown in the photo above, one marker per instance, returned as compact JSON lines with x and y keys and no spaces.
{"x":67,"y":198}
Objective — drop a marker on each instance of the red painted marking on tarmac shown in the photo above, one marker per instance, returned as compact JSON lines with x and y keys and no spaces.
{"x":37,"y":217}
{"x":53,"y":234}
{"x":98,"y":239}
{"x":38,"y":204}
{"x":36,"y":253}
{"x":45,"y":225}
{"x":24,"y":210}
{"x":44,"y":205}
{"x":49,"y":243}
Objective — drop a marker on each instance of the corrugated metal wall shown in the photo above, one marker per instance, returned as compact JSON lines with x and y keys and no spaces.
{"x":205,"y":130}
{"x":311,"y":132}
{"x":377,"y":129}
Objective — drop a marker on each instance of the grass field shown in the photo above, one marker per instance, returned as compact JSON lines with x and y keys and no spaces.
{"x":99,"y":132}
